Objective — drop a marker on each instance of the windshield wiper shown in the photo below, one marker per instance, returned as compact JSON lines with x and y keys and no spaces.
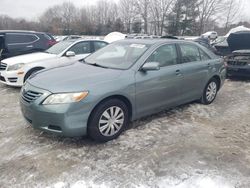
{"x":97,"y":65}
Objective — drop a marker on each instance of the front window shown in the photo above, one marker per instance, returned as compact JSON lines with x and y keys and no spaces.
{"x":165,"y":55}
{"x":81,"y":48}
{"x":117,"y":55}
{"x":59,"y":47}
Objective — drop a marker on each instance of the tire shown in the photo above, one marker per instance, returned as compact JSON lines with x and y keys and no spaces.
{"x":33,"y":71}
{"x":102,"y":127}
{"x":210,"y":92}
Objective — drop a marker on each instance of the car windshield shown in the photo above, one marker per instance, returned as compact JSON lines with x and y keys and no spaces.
{"x":59,"y":47}
{"x":118,"y":55}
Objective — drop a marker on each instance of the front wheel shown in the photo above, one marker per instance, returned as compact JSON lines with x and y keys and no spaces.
{"x":210,"y":92}
{"x":30,"y":73}
{"x":108,"y":120}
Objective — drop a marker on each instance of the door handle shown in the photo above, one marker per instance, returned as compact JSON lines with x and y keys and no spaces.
{"x":178,"y":72}
{"x":209,"y":65}
{"x":30,"y":46}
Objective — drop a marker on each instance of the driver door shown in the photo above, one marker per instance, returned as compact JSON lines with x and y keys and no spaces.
{"x":159,"y":89}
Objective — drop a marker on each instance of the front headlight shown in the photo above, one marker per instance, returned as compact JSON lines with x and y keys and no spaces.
{"x":15,"y":67}
{"x":62,"y":98}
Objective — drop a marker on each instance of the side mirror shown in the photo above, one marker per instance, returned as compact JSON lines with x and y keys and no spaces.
{"x":151,"y":66}
{"x":70,"y":54}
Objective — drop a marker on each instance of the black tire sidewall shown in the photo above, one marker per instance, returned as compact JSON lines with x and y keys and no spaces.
{"x":26,"y":77}
{"x":93,"y":124}
{"x":204,"y":97}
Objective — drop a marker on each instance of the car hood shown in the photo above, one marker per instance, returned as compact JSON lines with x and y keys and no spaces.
{"x":239,"y":41}
{"x":76,"y":77}
{"x":28,"y":58}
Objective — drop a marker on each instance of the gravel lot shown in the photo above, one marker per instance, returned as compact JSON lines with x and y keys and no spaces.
{"x":189,"y":146}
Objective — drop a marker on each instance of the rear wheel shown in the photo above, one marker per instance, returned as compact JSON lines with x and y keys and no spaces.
{"x":108,"y":120}
{"x":210,"y":92}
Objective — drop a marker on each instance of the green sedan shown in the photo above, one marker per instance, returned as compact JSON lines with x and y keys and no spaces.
{"x":121,"y":82}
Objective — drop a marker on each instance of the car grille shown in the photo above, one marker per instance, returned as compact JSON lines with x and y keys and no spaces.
{"x":30,"y":96}
{"x":12,"y":80}
{"x":237,"y":63}
{"x":3,"y":66}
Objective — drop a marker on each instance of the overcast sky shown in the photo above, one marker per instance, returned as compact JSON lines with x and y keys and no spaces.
{"x":32,"y":9}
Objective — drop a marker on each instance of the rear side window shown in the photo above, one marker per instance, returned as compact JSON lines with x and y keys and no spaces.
{"x":13,"y":38}
{"x":98,"y":45}
{"x":47,"y":36}
{"x":165,"y":55}
{"x":190,"y":53}
{"x":81,"y":48}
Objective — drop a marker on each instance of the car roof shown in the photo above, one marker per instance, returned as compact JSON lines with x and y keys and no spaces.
{"x":82,"y":40}
{"x":154,"y":41}
{"x":20,"y":31}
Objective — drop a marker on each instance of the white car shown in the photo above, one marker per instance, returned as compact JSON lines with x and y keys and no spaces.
{"x":212,"y":35}
{"x":16,"y":70}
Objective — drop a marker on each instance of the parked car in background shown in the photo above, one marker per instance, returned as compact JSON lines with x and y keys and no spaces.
{"x":60,"y":38}
{"x":123,"y":81}
{"x":221,"y":46}
{"x":239,"y":60}
{"x":211,"y":35}
{"x":206,"y":43}
{"x":16,"y":70}
{"x":70,"y":37}
{"x":13,"y":43}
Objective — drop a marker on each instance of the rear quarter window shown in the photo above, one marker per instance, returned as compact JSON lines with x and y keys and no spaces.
{"x":204,"y":56}
{"x":189,"y":53}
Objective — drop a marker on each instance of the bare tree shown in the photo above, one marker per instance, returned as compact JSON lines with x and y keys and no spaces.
{"x":127,"y":11}
{"x":208,"y":9}
{"x":59,"y":18}
{"x":177,"y":17}
{"x":68,"y":14}
{"x":231,"y":12}
{"x":160,"y":9}
{"x":142,"y":7}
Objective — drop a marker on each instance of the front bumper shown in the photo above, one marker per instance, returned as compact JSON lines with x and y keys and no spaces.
{"x":243,"y":71}
{"x":64,"y":119}
{"x":11,"y":78}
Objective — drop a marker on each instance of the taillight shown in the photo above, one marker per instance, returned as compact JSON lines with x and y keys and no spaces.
{"x":51,"y":43}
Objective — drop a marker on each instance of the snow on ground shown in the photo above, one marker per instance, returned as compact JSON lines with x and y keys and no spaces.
{"x":193,"y":146}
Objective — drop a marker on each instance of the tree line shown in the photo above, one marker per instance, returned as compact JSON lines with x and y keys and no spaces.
{"x":155,"y":17}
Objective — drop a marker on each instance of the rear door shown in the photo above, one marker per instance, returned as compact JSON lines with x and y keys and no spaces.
{"x":156,"y":90}
{"x":195,"y":67}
